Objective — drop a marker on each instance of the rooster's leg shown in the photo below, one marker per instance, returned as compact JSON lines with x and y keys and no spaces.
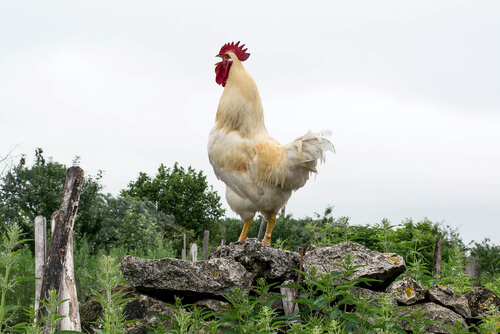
{"x":269,"y":231}
{"x":244,"y":232}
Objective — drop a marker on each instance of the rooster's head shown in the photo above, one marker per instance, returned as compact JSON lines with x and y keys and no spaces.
{"x":222,"y":67}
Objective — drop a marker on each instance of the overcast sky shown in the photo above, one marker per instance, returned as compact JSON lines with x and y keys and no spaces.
{"x":411,"y":92}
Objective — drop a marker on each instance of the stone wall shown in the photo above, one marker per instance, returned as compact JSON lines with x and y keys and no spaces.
{"x":240,"y":264}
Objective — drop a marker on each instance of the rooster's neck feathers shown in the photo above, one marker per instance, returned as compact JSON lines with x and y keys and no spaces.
{"x":240,"y":108}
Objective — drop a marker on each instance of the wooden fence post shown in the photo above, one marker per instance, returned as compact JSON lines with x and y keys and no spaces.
{"x":59,"y":273}
{"x":288,"y":297}
{"x":223,"y":238}
{"x":193,"y":253}
{"x":204,"y":250}
{"x":262,"y":228}
{"x":40,"y":256}
{"x":184,"y":247}
{"x":472,"y":269}
{"x":437,"y":258}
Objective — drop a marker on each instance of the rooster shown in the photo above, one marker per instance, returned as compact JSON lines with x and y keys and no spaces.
{"x":260,"y":173}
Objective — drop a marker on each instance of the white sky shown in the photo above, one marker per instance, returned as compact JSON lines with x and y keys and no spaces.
{"x":410,"y":91}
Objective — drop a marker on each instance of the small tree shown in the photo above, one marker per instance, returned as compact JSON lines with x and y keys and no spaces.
{"x":184,"y":194}
{"x":489,"y":256}
{"x":29,"y":191}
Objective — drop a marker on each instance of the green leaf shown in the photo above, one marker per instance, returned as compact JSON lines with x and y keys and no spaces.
{"x":226,"y":330}
{"x":20,"y":279}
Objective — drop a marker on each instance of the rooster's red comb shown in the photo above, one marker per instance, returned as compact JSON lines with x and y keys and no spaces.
{"x":236,"y":49}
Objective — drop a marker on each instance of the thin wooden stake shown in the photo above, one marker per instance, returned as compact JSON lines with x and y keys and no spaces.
{"x":223,"y":238}
{"x":300,"y":275}
{"x":184,"y":247}
{"x":437,"y":258}
{"x":287,"y":299}
{"x":472,"y":269}
{"x":204,"y":250}
{"x":40,"y":256}
{"x":193,"y":254}
{"x":262,"y":228}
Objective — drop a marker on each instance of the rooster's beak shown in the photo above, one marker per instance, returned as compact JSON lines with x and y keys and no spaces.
{"x":219,"y":57}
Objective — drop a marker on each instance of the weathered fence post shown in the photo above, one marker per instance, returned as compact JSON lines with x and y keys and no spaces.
{"x":59,"y":273}
{"x":262,"y":228}
{"x":40,"y":255}
{"x":204,"y":250}
{"x":184,"y":247}
{"x":193,"y":253}
{"x":472,"y":269}
{"x":53,"y":222}
{"x":288,"y":297}
{"x":437,"y":258}
{"x":223,"y":238}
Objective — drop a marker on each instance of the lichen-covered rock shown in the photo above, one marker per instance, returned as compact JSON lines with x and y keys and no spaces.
{"x":167,"y":277}
{"x":406,"y":291}
{"x":434,"y":312}
{"x":262,"y":261}
{"x":385,"y":267}
{"x":480,"y":300}
{"x":444,"y":295}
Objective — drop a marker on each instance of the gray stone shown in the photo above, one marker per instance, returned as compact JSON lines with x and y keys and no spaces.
{"x":145,"y":308}
{"x":142,"y":307}
{"x":444,"y":295}
{"x":480,"y":300}
{"x":164,"y":278}
{"x":273,"y":264}
{"x":91,"y":310}
{"x":434,"y":312}
{"x":212,"y":305}
{"x":385,"y":267}
{"x":406,"y":291}
{"x":366,"y":294}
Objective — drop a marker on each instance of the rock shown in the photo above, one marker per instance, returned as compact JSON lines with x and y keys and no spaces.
{"x":145,"y":308}
{"x":444,"y":295}
{"x":165,"y":278}
{"x":480,"y":300}
{"x":366,"y":294}
{"x":275,"y":265}
{"x":406,"y":291}
{"x":212,"y":305}
{"x":372,"y":298}
{"x":91,"y":310}
{"x":203,"y":284}
{"x":437,"y":313}
{"x":141,"y":307}
{"x":385,"y":267}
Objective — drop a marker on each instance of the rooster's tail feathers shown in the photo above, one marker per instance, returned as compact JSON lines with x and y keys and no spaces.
{"x":311,"y":147}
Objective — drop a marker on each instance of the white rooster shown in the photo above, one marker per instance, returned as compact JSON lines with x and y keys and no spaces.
{"x":260,"y":173}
